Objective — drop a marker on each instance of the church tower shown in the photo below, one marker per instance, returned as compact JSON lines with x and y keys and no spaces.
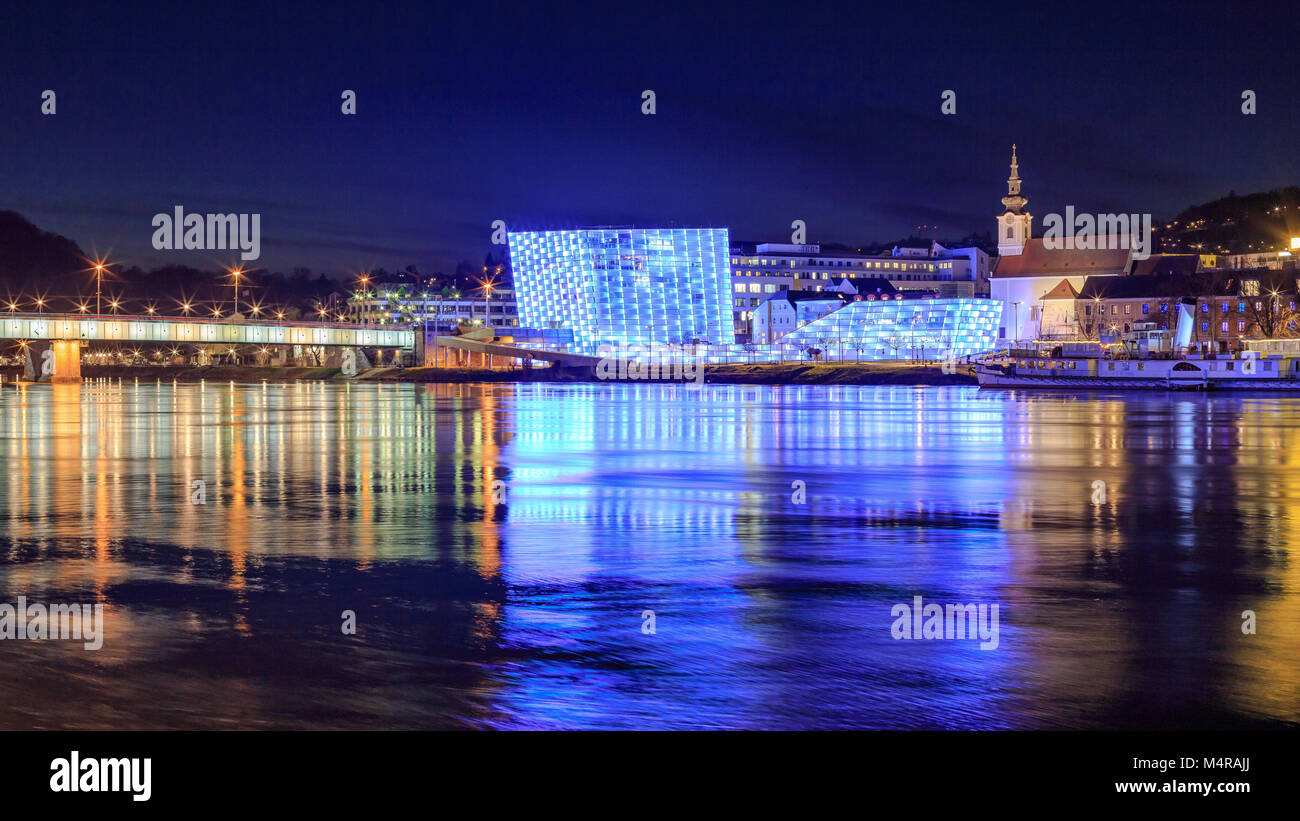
{"x":1016,"y":225}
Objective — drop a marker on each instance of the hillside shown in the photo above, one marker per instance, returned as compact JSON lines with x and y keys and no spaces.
{"x":32,"y":258}
{"x":1234,"y":224}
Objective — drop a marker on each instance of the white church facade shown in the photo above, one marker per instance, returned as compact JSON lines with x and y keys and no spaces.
{"x":1026,"y":271}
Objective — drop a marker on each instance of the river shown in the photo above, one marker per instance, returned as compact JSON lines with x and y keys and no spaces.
{"x":629,"y":556}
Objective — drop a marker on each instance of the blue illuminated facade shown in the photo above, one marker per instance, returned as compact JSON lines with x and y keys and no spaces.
{"x":903,"y":329}
{"x":626,"y":286}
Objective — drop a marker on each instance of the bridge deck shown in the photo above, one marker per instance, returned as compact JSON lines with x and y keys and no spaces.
{"x":465,"y":343}
{"x":199,"y":331}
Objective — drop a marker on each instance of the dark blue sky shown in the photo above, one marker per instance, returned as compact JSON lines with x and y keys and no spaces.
{"x":488,"y":111}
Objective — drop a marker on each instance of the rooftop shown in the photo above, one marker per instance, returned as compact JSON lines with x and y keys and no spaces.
{"x":1037,"y":261}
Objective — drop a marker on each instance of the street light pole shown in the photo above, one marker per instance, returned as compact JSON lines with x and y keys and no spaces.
{"x":236,"y":272}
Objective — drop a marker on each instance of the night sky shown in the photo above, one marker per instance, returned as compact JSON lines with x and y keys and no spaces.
{"x":765,"y":114}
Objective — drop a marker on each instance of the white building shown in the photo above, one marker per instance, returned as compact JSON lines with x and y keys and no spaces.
{"x":1026,"y":271}
{"x":496,"y":309}
{"x":779,"y":314}
{"x":769,"y":268}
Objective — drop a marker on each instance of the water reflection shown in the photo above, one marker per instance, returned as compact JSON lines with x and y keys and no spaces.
{"x":524,"y":610}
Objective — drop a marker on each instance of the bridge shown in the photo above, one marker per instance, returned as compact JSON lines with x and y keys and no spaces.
{"x":482,"y":344}
{"x":63,"y":334}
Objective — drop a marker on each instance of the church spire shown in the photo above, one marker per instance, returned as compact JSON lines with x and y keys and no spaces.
{"x":1016,"y":225}
{"x":1013,"y":202}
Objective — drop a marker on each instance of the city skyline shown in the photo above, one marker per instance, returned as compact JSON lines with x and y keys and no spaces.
{"x":754,"y":125}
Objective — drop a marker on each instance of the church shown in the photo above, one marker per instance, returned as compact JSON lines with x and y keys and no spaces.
{"x":1026,"y":270}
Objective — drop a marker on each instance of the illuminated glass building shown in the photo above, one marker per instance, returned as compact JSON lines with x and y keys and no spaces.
{"x":621,"y":285}
{"x":903,"y":329}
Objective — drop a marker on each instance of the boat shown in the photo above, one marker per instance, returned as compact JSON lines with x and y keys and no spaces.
{"x":1217,"y":373}
{"x":1144,"y":358}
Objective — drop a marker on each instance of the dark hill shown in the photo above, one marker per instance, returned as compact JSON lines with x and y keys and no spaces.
{"x":33,"y":259}
{"x":1265,"y":221}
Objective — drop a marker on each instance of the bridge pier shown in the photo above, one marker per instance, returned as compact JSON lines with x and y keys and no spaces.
{"x":57,"y":361}
{"x":353,"y":359}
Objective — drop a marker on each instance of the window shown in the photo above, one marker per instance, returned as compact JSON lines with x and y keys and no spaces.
{"x":1205,"y":307}
{"x":1164,"y":307}
{"x":1146,"y":309}
{"x":1223,"y":327}
{"x":1128,"y":309}
{"x":1223,"y":307}
{"x":1241,"y":327}
{"x":1205,"y":326}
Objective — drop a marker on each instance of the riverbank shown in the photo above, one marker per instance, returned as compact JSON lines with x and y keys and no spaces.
{"x":789,"y":373}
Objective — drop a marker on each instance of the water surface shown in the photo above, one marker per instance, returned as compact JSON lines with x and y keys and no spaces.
{"x":501,"y":544}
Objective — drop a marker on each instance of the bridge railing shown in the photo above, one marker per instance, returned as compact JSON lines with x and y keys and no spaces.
{"x":179,"y":330}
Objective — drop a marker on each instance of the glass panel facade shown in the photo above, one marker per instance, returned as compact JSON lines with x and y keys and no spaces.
{"x":630,"y":286}
{"x":925,"y":328}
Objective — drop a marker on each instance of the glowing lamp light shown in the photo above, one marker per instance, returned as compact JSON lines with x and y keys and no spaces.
{"x":1295,"y":243}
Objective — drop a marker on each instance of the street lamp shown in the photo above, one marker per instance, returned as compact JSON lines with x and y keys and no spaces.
{"x":364,"y":281}
{"x":99,"y":265}
{"x":236,"y":273}
{"x":486,"y":286}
